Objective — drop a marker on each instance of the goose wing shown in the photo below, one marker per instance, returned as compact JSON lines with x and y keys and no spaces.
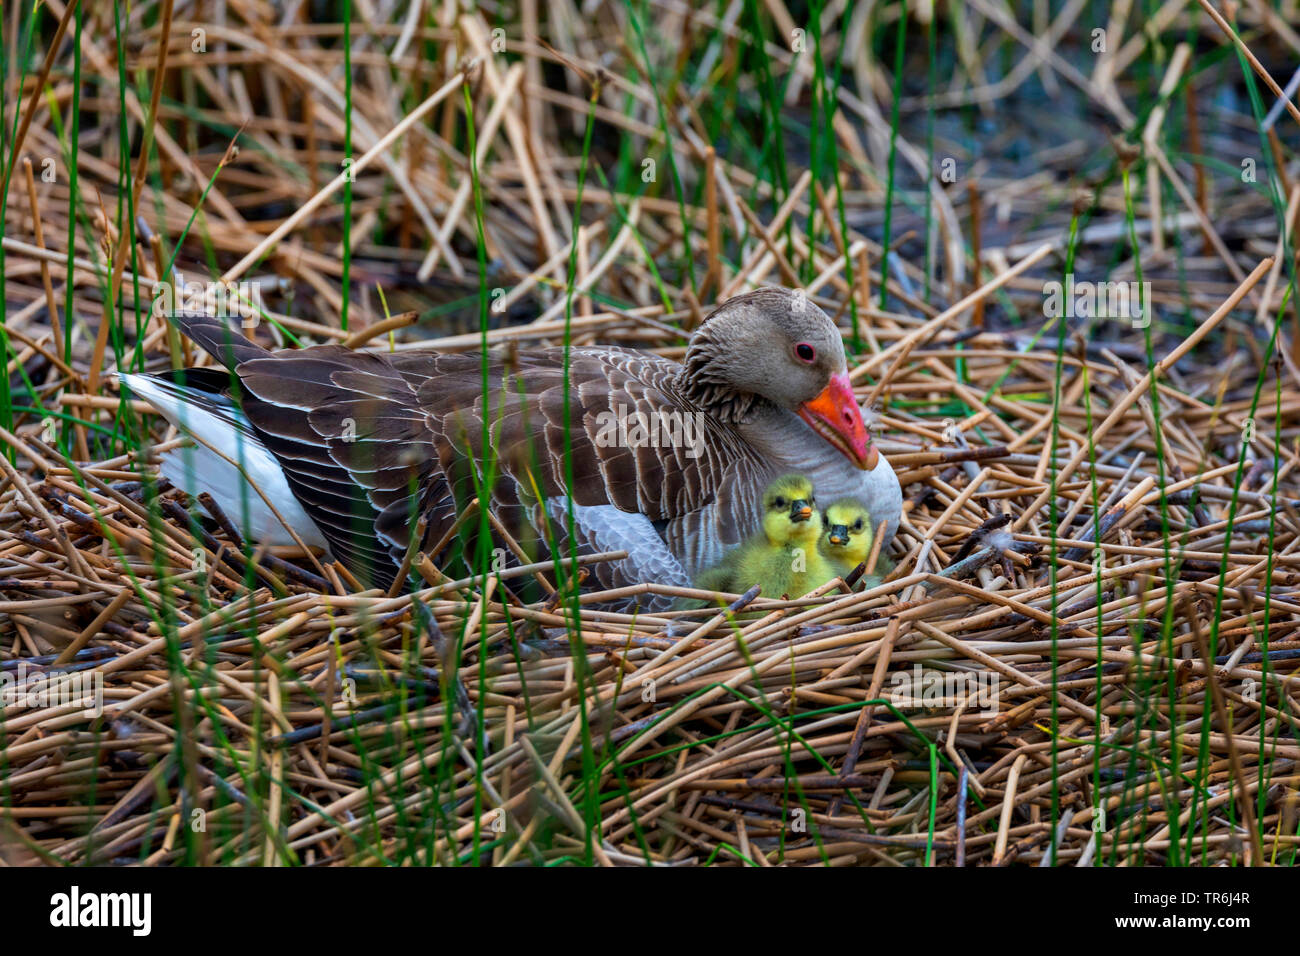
{"x":371,"y":441}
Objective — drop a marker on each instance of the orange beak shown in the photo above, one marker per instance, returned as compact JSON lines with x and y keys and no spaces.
{"x":834,"y":415}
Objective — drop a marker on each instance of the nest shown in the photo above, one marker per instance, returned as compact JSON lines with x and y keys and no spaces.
{"x":1007,"y":673}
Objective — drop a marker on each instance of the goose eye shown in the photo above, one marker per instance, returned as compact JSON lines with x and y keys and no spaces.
{"x":805,"y":352}
{"x":857,"y":525}
{"x":778,"y":503}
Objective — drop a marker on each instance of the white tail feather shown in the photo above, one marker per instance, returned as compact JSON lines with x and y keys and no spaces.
{"x":211,"y":466}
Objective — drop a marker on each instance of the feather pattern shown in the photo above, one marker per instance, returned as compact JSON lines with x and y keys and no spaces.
{"x":371,"y":441}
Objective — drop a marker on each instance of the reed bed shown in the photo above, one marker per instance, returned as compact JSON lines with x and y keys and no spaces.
{"x":1084,"y":648}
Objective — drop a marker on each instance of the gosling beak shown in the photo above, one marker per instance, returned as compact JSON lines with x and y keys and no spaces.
{"x":834,"y":414}
{"x":800,"y":510}
{"x":839,"y":534}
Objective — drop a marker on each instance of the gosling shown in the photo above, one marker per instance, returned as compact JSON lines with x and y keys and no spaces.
{"x":783,"y":559}
{"x":848,"y":537}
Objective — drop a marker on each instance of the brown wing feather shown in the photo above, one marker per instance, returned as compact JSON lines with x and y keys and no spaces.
{"x":369,"y":439}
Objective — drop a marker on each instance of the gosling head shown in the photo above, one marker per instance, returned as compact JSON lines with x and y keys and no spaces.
{"x":790,"y":513}
{"x":848,"y":531}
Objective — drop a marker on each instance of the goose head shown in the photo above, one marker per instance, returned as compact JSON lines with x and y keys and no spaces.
{"x":777,"y":347}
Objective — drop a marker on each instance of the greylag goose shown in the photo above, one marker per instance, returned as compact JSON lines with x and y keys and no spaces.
{"x":668,"y":460}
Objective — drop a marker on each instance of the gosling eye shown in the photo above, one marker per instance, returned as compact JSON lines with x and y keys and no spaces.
{"x":857,"y":525}
{"x":778,"y":503}
{"x":805,"y":353}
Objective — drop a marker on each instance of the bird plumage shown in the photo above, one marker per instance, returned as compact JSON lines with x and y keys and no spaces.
{"x":783,"y":560}
{"x":367,"y":442}
{"x":847,"y":536}
{"x":227,"y":459}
